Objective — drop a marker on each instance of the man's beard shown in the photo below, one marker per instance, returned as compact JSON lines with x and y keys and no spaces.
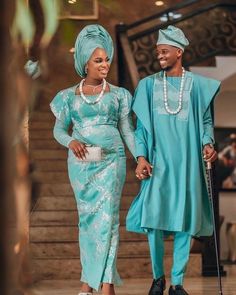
{"x":166,"y":68}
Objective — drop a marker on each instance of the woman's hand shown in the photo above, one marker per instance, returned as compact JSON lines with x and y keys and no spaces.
{"x":78,"y":148}
{"x":209,"y":153}
{"x":144,"y":168}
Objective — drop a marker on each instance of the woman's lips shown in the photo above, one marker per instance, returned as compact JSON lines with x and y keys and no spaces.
{"x":104,"y":72}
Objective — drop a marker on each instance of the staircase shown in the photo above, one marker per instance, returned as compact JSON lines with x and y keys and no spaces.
{"x":53,"y":224}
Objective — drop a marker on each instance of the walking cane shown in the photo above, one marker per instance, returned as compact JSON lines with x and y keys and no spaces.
{"x":210,"y":192}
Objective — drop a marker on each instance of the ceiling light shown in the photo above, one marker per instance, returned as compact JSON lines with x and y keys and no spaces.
{"x":164,"y":18}
{"x":177,"y":15}
{"x":159,"y":3}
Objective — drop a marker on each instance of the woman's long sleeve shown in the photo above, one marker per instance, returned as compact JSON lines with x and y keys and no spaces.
{"x":125,"y":123}
{"x":61,"y":111}
{"x":60,"y":132}
{"x":127,"y":132}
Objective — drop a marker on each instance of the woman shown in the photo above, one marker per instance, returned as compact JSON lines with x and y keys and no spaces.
{"x":100,"y":114}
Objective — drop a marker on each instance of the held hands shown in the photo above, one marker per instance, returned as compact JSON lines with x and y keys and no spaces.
{"x":144,"y":169}
{"x":209,"y":153}
{"x":78,"y":148}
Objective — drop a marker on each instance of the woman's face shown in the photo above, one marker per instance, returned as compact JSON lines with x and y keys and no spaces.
{"x":168,"y":56}
{"x":98,"y":65}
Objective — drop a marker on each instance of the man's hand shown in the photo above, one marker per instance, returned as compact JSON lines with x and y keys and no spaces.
{"x":144,"y":168}
{"x":209,"y":153}
{"x":78,"y":148}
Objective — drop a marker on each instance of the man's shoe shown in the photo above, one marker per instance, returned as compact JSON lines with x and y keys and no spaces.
{"x":178,"y":290}
{"x":158,"y":287}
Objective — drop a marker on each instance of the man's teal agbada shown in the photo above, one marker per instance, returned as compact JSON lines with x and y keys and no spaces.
{"x":175,"y":197}
{"x":174,"y":110}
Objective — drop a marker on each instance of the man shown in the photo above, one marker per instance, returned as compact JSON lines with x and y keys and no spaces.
{"x":174,"y":133}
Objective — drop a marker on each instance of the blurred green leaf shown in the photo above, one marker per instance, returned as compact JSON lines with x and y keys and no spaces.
{"x":51,"y":9}
{"x":23,"y":25}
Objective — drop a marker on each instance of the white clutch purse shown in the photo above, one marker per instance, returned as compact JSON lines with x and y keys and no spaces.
{"x":94,"y":154}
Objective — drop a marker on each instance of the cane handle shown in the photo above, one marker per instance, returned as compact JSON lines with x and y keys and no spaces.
{"x":209,"y":165}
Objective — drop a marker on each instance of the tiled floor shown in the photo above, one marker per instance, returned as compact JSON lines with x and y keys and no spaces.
{"x":195,"y":286}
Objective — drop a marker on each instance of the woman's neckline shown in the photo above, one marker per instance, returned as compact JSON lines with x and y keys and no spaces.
{"x":79,"y":94}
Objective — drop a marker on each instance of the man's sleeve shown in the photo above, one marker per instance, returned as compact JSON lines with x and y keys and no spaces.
{"x":208,"y":135}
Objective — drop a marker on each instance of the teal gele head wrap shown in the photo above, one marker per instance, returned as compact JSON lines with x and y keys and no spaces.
{"x":90,"y":38}
{"x":172,"y":36}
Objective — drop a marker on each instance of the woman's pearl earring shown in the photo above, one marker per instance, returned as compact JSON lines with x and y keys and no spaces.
{"x":86,"y":70}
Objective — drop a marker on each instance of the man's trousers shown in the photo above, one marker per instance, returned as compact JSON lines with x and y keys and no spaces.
{"x":182,"y":243}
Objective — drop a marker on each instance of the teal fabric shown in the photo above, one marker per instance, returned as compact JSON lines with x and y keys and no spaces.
{"x":33,"y":69}
{"x":172,"y":36}
{"x":90,"y":38}
{"x":97,"y":185}
{"x":182,"y":243}
{"x":175,"y":198}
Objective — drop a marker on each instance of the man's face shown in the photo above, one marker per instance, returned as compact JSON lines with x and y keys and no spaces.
{"x":168,"y":55}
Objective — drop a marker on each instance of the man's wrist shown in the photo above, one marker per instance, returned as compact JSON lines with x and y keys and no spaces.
{"x":141,"y":158}
{"x":210,"y":145}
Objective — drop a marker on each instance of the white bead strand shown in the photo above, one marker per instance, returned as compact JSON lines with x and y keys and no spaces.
{"x":180,"y":100}
{"x":99,"y":96}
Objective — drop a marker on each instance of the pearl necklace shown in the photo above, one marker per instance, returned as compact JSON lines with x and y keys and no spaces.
{"x":92,"y":86}
{"x":99,"y":96}
{"x":180,"y":102}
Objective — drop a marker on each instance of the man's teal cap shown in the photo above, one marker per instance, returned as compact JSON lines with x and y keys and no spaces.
{"x":172,"y":36}
{"x":90,"y":38}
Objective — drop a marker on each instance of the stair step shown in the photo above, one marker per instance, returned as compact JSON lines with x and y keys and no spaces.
{"x":41,"y":116}
{"x":51,"y":177}
{"x":69,"y":203}
{"x":41,"y":134}
{"x":67,"y":233}
{"x":51,"y":165}
{"x":49,"y":144}
{"x":46,"y":243}
{"x":41,"y":125}
{"x":71,"y":250}
{"x":133,"y":267}
{"x":49,"y":154}
{"x":44,"y":106}
{"x":56,"y":203}
{"x":44,"y":218}
{"x":64,"y":189}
